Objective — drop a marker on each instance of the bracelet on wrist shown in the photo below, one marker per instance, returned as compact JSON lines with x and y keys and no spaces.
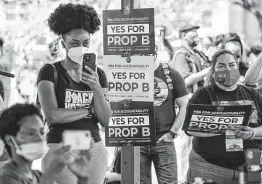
{"x":253,"y":135}
{"x":173,"y":134}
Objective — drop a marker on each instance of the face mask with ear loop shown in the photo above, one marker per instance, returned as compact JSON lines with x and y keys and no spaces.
{"x":31,"y":151}
{"x":76,"y":54}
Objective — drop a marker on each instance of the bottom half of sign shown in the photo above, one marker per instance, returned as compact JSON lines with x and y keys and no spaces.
{"x":207,"y":127}
{"x":134,"y":135}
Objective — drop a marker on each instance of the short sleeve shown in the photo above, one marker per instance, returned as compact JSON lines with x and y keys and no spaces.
{"x":102,"y":78}
{"x":200,"y":96}
{"x":46,"y":73}
{"x":180,"y":64}
{"x":179,"y":84}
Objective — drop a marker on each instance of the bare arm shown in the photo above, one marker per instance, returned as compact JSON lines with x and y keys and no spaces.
{"x":196,"y":77}
{"x":101,"y":105}
{"x":180,"y":118}
{"x":254,"y":73}
{"x":258,"y":133}
{"x":53,"y":114}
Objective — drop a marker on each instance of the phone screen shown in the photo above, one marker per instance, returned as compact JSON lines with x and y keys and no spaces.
{"x":77,"y":139}
{"x":89,"y":59}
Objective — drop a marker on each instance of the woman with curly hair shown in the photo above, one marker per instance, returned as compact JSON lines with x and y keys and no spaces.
{"x":77,"y":100}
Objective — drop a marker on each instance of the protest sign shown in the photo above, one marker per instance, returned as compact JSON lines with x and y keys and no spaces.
{"x":131,"y":94}
{"x":133,"y":32}
{"x":133,"y":80}
{"x":215,"y":118}
{"x":133,"y":125}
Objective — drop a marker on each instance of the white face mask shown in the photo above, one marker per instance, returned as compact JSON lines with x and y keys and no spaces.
{"x":76,"y":53}
{"x":32,"y":151}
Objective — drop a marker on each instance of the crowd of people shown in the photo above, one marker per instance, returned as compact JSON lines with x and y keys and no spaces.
{"x":187,"y":75}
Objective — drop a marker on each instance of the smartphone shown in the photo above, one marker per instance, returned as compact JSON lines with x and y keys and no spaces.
{"x":77,"y":139}
{"x":89,"y":59}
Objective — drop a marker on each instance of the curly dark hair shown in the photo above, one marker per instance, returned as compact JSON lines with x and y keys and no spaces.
{"x":70,"y":16}
{"x":10,"y":118}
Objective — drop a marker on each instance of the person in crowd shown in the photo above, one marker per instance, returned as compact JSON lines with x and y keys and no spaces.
{"x":219,"y":39}
{"x":232,"y":42}
{"x":170,"y":88}
{"x":80,"y":100}
{"x":209,"y":158}
{"x":22,"y":129}
{"x":253,"y":53}
{"x":188,"y":62}
{"x":163,"y":28}
{"x":3,"y":92}
{"x":206,"y":43}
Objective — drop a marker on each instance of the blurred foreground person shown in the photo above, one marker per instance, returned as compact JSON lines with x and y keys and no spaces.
{"x":75,"y":100}
{"x":209,"y":157}
{"x":22,"y":129}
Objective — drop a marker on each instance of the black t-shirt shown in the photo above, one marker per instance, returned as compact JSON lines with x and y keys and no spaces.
{"x":164,"y":99}
{"x":71,"y":95}
{"x":213,"y":149}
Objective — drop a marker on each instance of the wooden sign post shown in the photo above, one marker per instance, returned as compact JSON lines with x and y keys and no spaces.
{"x":130,"y":155}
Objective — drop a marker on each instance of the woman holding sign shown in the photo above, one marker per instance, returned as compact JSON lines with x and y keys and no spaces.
{"x":211,"y":157}
{"x":74,"y":100}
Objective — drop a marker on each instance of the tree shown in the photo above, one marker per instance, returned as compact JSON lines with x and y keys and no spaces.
{"x":252,"y":6}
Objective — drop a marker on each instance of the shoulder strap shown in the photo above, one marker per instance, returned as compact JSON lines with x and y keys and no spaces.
{"x":202,"y":55}
{"x":210,"y":90}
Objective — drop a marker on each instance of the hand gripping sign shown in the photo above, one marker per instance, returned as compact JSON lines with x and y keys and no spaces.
{"x":215,"y":118}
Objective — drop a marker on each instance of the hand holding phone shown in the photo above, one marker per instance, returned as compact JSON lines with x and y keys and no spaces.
{"x":89,"y":60}
{"x":77,"y":139}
